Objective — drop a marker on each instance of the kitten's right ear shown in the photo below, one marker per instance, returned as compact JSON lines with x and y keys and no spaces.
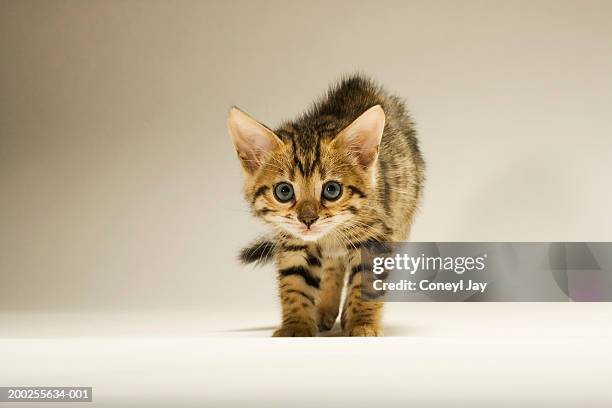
{"x":253,"y":141}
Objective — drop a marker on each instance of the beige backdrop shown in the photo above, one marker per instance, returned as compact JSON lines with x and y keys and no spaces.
{"x":119,"y":189}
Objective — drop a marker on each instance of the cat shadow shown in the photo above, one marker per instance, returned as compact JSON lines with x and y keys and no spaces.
{"x":336,"y":331}
{"x":390,"y":330}
{"x":250,"y":329}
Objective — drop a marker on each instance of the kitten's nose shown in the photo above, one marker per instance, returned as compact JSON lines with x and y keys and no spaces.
{"x":308,"y":220}
{"x":307,"y":213}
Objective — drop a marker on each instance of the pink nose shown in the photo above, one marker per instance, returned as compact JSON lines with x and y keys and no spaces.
{"x":308,"y":220}
{"x":307,"y":212}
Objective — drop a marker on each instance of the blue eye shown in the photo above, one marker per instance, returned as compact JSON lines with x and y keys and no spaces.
{"x":332,"y":190}
{"x":283,"y":192}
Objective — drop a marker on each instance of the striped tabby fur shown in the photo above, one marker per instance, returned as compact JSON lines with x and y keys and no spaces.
{"x":361,"y":138}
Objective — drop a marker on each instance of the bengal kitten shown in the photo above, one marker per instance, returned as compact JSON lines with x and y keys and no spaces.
{"x":346,"y":173}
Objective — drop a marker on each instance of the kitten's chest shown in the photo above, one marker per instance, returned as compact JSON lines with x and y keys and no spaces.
{"x":331,"y":249}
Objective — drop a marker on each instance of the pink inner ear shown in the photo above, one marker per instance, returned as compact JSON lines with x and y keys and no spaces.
{"x":253,"y":150}
{"x":252,"y":140}
{"x":363,"y":135}
{"x":367,"y":156}
{"x":358,"y":146}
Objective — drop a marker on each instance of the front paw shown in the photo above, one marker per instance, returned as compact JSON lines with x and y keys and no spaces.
{"x":296,"y":330}
{"x":364,"y":330}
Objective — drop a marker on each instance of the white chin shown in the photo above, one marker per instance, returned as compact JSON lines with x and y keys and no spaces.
{"x":308,"y":235}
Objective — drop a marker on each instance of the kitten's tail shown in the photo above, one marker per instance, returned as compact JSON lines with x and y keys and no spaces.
{"x":259,"y":252}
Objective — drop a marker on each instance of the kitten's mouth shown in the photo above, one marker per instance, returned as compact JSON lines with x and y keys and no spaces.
{"x":310,"y":234}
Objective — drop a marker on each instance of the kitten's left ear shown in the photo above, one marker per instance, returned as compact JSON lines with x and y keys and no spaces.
{"x":362,"y":137}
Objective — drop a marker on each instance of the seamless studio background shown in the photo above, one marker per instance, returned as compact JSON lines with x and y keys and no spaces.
{"x":119,"y":187}
{"x":121,"y":210}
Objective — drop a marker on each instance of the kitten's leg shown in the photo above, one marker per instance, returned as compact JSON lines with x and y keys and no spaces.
{"x":299,"y":271}
{"x":360,"y":317}
{"x":331,"y":291}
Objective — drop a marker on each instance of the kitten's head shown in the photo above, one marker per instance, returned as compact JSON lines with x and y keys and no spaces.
{"x":309,"y":182}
